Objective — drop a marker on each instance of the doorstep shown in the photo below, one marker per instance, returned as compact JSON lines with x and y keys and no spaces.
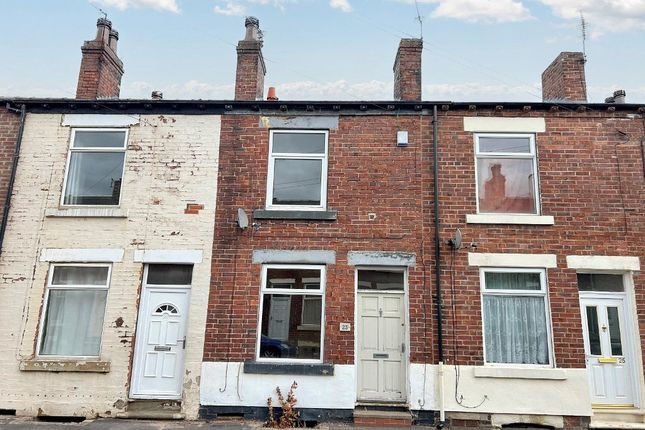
{"x":382,"y":417}
{"x":153,"y":410}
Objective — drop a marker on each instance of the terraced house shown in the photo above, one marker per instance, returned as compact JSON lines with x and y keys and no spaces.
{"x":405,"y":261}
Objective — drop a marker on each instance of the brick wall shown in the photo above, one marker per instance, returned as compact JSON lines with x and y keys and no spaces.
{"x":101,"y":69}
{"x":367,"y":174}
{"x":564,"y":79}
{"x":169,"y":160}
{"x":9,"y":123}
{"x":596,"y":210}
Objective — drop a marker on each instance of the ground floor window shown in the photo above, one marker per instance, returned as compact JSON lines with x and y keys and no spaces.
{"x":292,"y":312}
{"x":74,"y":310}
{"x":516,"y":328}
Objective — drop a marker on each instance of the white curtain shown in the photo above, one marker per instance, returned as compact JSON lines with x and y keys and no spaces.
{"x":515,"y":330}
{"x":73,"y":186}
{"x":73,"y":322}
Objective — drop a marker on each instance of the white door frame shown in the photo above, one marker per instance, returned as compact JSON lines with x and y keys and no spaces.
{"x":631,"y":325}
{"x":143,"y":307}
{"x":406,"y":319}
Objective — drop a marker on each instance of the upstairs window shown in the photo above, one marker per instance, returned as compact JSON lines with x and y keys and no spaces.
{"x":506,"y":174}
{"x":297,"y":170}
{"x":95,"y":167}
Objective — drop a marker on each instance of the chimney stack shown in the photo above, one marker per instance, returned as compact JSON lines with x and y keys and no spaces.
{"x":407,"y":70}
{"x":564,"y":79}
{"x":101,"y":69}
{"x":249,"y":77}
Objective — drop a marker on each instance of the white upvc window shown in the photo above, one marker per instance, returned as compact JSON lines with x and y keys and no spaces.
{"x":515,"y":316}
{"x":297,"y":174}
{"x":95,"y":164}
{"x":74,"y":309}
{"x":291,"y":317}
{"x":507,"y":176}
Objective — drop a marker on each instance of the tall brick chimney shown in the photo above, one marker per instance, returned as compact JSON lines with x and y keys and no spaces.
{"x":101,"y":69}
{"x":249,"y":77}
{"x":564,"y":79}
{"x":407,"y":70}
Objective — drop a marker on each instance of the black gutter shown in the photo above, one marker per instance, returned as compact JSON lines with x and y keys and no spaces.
{"x":437,"y":241}
{"x":300,"y":107}
{"x":14,"y":168}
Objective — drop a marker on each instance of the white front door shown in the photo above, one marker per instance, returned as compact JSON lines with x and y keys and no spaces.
{"x":609,"y":359}
{"x":381,"y":346}
{"x":279,"y":315}
{"x":160,"y":345}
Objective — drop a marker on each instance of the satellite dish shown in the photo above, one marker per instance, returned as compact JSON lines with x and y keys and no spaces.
{"x":458,"y":239}
{"x":455,"y":243}
{"x":242,"y":219}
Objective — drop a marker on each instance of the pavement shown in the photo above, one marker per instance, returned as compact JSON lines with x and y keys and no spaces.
{"x":25,"y":423}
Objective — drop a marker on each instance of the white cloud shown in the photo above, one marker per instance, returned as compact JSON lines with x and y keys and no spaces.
{"x":190,"y":90}
{"x":167,"y":5}
{"x":478,"y":92}
{"x":341,"y":4}
{"x":231,"y":8}
{"x":479,"y":10}
{"x":603,"y":16}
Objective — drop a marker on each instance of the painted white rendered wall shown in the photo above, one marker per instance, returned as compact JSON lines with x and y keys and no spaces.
{"x":567,"y":393}
{"x":170,"y":161}
{"x":327,"y":392}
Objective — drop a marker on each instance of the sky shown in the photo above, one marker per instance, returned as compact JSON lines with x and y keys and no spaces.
{"x":474,"y":50}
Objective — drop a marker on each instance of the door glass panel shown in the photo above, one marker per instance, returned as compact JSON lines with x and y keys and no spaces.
{"x":614,"y":330}
{"x":380,"y":280}
{"x":600,"y":282}
{"x":592,"y":327}
{"x":170,"y":274}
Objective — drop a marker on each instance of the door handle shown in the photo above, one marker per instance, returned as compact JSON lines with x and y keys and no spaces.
{"x":403,"y":347}
{"x":183,"y":346}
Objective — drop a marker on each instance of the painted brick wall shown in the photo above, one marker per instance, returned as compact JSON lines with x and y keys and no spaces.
{"x":171,"y":162}
{"x":9,"y":123}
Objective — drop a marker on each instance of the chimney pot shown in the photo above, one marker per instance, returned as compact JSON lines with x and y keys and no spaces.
{"x":407,"y":70}
{"x":103,"y":27}
{"x":114,"y":39}
{"x":564,"y":79}
{"x":252,"y":25}
{"x":272,"y":96}
{"x":157,"y":95}
{"x":619,"y":96}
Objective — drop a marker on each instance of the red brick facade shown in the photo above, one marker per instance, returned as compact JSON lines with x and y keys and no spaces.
{"x":9,"y":123}
{"x":591,"y":181}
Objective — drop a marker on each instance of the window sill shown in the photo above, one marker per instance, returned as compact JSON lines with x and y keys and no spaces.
{"x":510,"y":219}
{"x":520,"y":373}
{"x":321,"y":215}
{"x":93,"y":212}
{"x":323,"y":369}
{"x":86,"y":366}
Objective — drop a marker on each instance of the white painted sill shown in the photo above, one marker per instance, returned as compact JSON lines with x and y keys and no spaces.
{"x":510,"y":219}
{"x":93,"y":212}
{"x":520,"y":373}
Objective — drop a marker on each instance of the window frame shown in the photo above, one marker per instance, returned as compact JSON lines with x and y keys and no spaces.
{"x":531,"y":155}
{"x":297,"y":156}
{"x":71,"y":150}
{"x":542,"y":292}
{"x":292,"y":292}
{"x":49,"y":287}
